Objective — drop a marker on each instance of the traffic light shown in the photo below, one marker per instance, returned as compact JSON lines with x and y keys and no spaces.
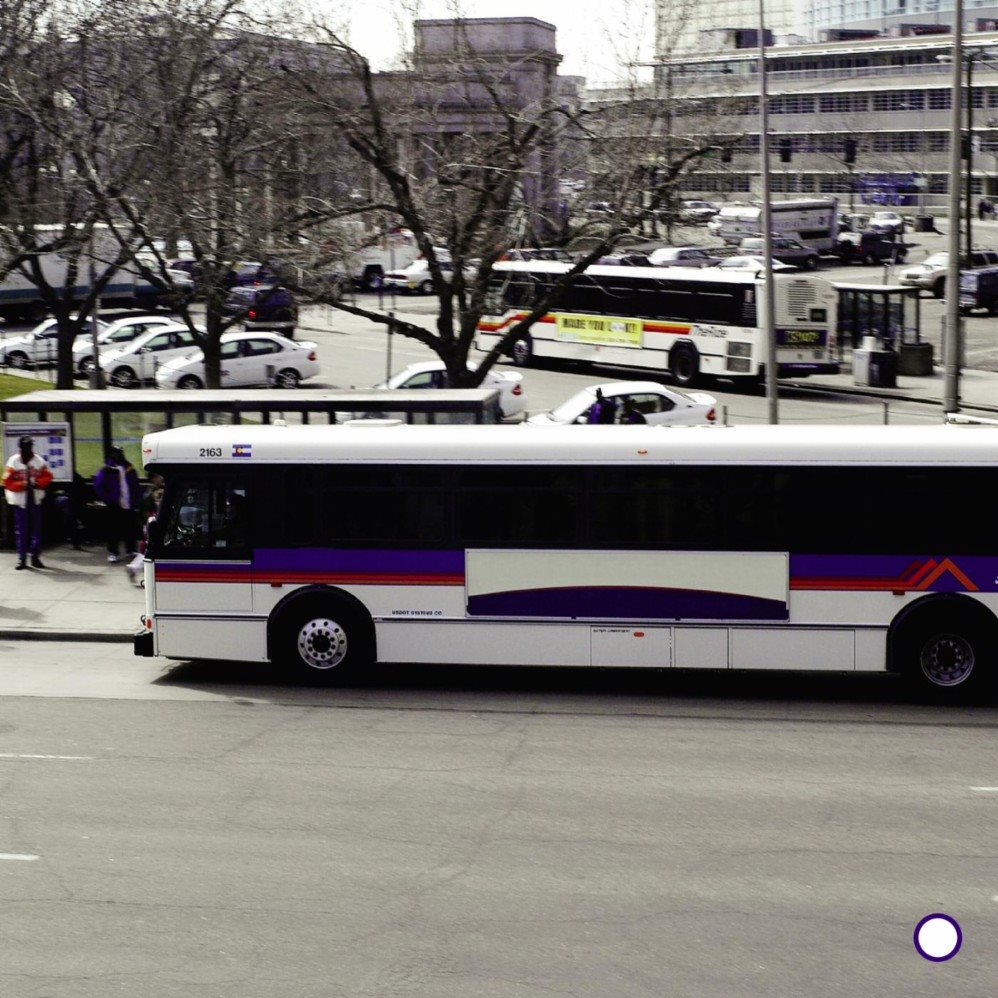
{"x":850,"y":151}
{"x":786,"y":150}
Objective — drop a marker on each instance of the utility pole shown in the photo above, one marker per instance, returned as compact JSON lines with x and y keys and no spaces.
{"x":952,"y":343}
{"x":769,"y":305}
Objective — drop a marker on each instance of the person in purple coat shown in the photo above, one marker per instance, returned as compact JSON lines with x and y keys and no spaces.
{"x":117,"y":485}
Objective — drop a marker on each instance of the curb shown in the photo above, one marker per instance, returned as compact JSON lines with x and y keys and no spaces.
{"x":27,"y":634}
{"x":884,"y":394}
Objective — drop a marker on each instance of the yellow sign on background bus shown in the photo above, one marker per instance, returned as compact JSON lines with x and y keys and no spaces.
{"x":602,"y":330}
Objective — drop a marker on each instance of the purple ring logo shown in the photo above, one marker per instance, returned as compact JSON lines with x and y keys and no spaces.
{"x":938,"y":937}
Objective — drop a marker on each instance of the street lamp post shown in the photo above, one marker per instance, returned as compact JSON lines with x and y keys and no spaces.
{"x":769,"y":311}
{"x":952,"y":344}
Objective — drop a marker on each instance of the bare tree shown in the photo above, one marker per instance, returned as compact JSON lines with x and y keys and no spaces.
{"x":461,"y":152}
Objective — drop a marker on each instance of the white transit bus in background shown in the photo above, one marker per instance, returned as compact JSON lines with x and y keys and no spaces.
{"x":687,"y":321}
{"x":325,"y":549}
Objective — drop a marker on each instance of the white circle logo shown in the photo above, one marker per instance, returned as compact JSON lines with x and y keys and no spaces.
{"x":938,"y":937}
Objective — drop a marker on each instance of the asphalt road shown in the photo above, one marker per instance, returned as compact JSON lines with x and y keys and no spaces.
{"x":202,"y":830}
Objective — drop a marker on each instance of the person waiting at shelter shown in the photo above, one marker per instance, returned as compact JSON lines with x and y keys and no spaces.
{"x":603,"y":410}
{"x":26,"y":476}
{"x":631,"y":413}
{"x":117,"y":485}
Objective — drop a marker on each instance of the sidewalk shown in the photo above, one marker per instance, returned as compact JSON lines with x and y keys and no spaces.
{"x":78,"y":596}
{"x":978,"y":389}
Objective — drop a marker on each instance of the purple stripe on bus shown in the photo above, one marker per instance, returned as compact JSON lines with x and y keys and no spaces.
{"x":627,"y":603}
{"x":367,"y":560}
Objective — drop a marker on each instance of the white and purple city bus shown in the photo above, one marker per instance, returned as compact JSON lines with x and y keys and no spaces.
{"x":326,"y":549}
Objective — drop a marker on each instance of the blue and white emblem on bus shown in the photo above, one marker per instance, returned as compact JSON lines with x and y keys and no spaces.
{"x":242,"y":450}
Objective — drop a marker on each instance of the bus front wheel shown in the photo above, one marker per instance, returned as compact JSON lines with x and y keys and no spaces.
{"x":323,"y":641}
{"x":948,"y":653}
{"x":684,"y":364}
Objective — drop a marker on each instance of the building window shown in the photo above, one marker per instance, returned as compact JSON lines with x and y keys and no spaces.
{"x":939,"y":100}
{"x":843,"y":103}
{"x":937,"y":141}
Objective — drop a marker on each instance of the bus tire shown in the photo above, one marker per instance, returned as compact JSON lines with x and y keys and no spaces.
{"x":323,"y":639}
{"x":946,"y":650}
{"x":523,"y":351}
{"x":684,"y":364}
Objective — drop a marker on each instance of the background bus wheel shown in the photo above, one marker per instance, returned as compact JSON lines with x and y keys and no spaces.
{"x":949,"y":655}
{"x":323,"y":641}
{"x":523,"y":351}
{"x":684,"y":364}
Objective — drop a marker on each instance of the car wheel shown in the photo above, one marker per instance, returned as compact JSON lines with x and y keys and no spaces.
{"x":288,"y":378}
{"x":323,"y":640}
{"x":523,"y":351}
{"x":189,"y":382}
{"x":18,"y":360}
{"x":124,"y":377}
{"x":869,"y":258}
{"x":426,"y":288}
{"x":811,"y":263}
{"x":684,"y":364}
{"x":373,"y":279}
{"x":993,"y":308}
{"x":86,"y":366}
{"x":939,"y":288}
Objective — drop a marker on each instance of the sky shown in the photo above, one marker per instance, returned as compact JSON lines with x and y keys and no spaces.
{"x":594,"y":36}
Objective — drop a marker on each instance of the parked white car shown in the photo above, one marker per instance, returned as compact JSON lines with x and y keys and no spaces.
{"x":247,"y":359}
{"x":756,"y":263}
{"x":660,"y":405}
{"x":416,"y":277}
{"x":138,"y":361}
{"x":37,"y":347}
{"x":887,"y":221}
{"x":433,"y":374}
{"x":682,"y":256}
{"x":115,"y":336}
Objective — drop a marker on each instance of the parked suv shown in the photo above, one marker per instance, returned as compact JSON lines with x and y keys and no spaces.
{"x":979,"y":289}
{"x":869,"y":247}
{"x":789,"y":251}
{"x":269,"y":307}
{"x":931,"y":274}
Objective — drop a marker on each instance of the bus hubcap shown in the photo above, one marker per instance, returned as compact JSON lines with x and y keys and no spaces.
{"x":322,"y":643}
{"x":947,"y":660}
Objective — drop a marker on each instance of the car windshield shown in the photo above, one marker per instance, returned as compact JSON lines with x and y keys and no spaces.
{"x":575,"y":406}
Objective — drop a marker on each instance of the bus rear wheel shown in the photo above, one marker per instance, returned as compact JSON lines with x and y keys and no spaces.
{"x":323,"y":641}
{"x":948,"y":654}
{"x":684,"y":364}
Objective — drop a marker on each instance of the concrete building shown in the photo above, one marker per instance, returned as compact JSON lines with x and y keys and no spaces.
{"x":693,"y":26}
{"x":890,"y":95}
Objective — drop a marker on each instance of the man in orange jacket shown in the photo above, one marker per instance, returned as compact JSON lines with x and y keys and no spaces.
{"x":26,"y":476}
